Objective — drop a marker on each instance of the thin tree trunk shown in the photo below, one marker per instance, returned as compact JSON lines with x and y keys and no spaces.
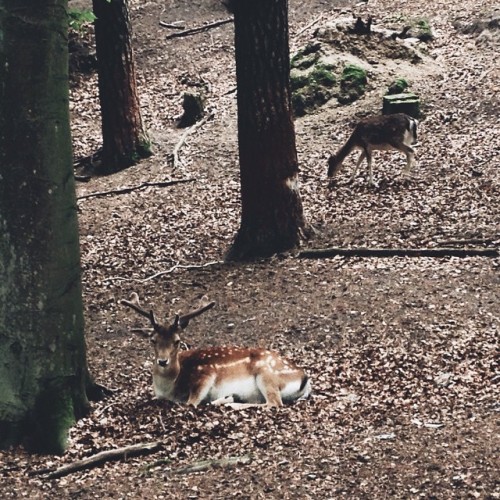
{"x":272,"y":218}
{"x":124,"y":138}
{"x":43,"y":371}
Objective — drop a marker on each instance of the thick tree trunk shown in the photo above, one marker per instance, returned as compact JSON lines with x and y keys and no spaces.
{"x":272,"y":219}
{"x":123,"y":135}
{"x":43,"y":371}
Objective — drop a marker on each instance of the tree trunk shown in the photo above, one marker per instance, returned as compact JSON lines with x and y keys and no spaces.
{"x":123,"y":135}
{"x":272,"y":219}
{"x":43,"y":371}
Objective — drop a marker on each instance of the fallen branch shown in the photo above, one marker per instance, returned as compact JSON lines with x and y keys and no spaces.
{"x":168,"y":271}
{"x":129,"y":189}
{"x":214,"y":464}
{"x":200,"y":29}
{"x":184,"y":136}
{"x":319,"y":253}
{"x":102,"y":457}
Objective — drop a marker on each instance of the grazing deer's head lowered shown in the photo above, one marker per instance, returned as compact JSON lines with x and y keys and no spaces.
{"x":397,"y":132}
{"x":246,"y":376}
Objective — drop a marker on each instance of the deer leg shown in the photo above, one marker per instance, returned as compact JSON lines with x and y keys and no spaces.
{"x":410,"y":160}
{"x":362,"y":156}
{"x":269,"y":387}
{"x":370,"y":170}
{"x":410,"y":156}
{"x":200,"y":391}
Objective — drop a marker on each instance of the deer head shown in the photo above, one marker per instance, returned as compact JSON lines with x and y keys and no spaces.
{"x":165,"y":337}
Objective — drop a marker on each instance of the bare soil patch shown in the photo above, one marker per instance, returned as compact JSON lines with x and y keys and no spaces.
{"x":403,"y":353}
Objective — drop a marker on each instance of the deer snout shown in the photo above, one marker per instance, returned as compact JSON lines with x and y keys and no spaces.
{"x":162,"y":362}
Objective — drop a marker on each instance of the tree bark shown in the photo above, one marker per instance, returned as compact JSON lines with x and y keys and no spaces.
{"x":43,"y":371}
{"x":272,"y":218}
{"x":124,"y":138}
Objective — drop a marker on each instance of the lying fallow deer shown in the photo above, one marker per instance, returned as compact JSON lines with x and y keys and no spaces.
{"x":248,"y":376}
{"x":397,"y":132}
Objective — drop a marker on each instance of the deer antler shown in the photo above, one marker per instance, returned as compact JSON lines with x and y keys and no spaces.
{"x":134,"y":304}
{"x":184,"y":320}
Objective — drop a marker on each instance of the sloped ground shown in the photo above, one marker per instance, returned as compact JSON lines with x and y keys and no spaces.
{"x":403,"y":353}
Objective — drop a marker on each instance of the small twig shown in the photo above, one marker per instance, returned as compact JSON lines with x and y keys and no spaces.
{"x":129,"y":189}
{"x":184,"y":136}
{"x":319,"y":253}
{"x":200,"y":29}
{"x":214,"y":464}
{"x":97,"y":414}
{"x":102,"y":457}
{"x":310,"y":25}
{"x":161,"y":423}
{"x":168,"y":271}
{"x":174,"y":26}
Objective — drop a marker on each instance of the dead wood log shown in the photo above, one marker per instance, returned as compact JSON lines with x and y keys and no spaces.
{"x":200,"y":29}
{"x":129,"y":189}
{"x":102,"y":457}
{"x":318,"y":253}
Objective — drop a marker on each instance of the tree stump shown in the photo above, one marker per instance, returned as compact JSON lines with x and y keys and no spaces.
{"x":193,"y":106}
{"x":401,"y":103}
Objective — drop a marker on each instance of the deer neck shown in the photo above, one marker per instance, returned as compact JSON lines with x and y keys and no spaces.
{"x":344,"y":151}
{"x":165,"y":380}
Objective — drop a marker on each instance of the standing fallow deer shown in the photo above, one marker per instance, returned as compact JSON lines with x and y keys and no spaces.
{"x":238,"y":376}
{"x":387,"y":132}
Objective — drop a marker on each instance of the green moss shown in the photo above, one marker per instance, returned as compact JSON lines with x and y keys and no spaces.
{"x":311,"y":90}
{"x":306,"y":57}
{"x":352,"y":83}
{"x":54,"y":416}
{"x":322,"y":75}
{"x":398,"y":86}
{"x":80,"y":20}
{"x":298,"y":80}
{"x":423,"y":30}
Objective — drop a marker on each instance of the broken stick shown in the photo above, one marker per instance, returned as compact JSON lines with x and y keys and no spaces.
{"x":200,"y":29}
{"x":105,"y":456}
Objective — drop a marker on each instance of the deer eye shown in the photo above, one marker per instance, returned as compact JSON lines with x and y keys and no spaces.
{"x":177,"y":343}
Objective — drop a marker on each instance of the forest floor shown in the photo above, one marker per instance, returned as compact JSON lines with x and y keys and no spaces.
{"x":402,"y":352}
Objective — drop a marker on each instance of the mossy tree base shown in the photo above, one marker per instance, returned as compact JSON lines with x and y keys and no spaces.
{"x":43,"y":371}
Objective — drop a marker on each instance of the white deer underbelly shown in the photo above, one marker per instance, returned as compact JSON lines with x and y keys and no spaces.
{"x":243,"y":389}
